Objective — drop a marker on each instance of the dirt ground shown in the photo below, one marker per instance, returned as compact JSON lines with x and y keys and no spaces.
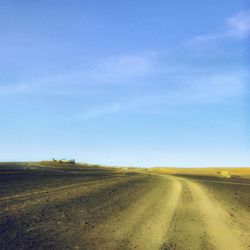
{"x":46,"y":206}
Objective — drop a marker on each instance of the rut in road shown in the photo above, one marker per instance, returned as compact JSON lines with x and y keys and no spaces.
{"x":145,"y":223}
{"x":175,"y":213}
{"x":187,"y":227}
{"x":201,"y":223}
{"x":217,"y":221}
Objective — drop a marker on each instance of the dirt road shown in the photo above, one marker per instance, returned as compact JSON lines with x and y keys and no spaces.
{"x":136,"y":211}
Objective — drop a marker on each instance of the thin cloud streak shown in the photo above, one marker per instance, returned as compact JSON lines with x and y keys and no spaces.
{"x":199,"y":90}
{"x":235,"y":27}
{"x":239,"y":25}
{"x":124,"y":69}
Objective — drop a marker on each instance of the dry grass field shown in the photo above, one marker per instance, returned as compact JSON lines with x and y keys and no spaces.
{"x":213,"y":172}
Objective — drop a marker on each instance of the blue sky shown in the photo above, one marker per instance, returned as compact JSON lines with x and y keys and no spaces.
{"x":139,"y":83}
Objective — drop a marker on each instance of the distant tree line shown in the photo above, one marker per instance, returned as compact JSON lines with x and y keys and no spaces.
{"x":72,"y":161}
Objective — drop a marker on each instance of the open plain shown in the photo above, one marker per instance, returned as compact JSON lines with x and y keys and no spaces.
{"x":50,"y":205}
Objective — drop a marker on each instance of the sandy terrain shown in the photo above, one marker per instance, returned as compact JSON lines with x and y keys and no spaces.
{"x":44,"y":207}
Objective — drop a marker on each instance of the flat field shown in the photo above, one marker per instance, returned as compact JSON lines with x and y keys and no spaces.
{"x":50,"y":205}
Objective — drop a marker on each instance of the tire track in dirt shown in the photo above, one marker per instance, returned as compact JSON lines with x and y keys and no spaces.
{"x":187,"y":229}
{"x":150,"y":229}
{"x":144,"y":224}
{"x":200,"y":222}
{"x":31,"y":194}
{"x":216,"y":221}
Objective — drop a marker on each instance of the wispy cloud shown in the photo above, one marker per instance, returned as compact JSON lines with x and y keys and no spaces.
{"x":239,"y":25}
{"x":115,"y":70}
{"x":192,"y":90}
{"x":128,"y":65}
{"x":100,"y":110}
{"x":217,"y":87}
{"x":235,"y":27}
{"x":10,"y":89}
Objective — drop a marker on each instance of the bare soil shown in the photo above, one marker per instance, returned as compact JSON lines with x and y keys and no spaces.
{"x":53,"y":206}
